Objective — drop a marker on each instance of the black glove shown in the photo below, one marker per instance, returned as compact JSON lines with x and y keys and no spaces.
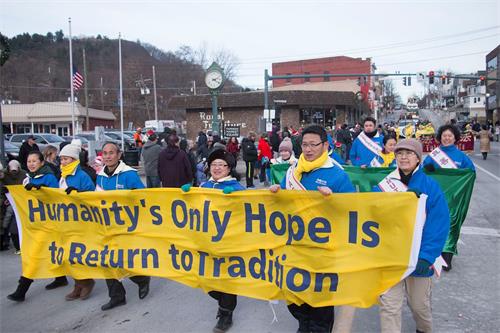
{"x":417,"y":192}
{"x":28,"y":186}
{"x":69,"y":189}
{"x":429,"y":167}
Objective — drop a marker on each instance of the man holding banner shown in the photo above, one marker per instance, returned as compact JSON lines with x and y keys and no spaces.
{"x":314,"y":171}
{"x":408,"y":176}
{"x":367,"y":146}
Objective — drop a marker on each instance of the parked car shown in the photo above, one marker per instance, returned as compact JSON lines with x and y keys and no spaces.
{"x":11,"y":150}
{"x":90,"y":136}
{"x":129,"y":142}
{"x":85,"y":142}
{"x":41,"y":139}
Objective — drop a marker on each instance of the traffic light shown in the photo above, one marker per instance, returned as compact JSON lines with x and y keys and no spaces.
{"x":408,"y":81}
{"x":482,"y":79}
{"x":431,"y":77}
{"x":443,"y":79}
{"x":404,"y":80}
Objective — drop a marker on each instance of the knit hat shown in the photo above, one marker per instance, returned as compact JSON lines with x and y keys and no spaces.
{"x":412,"y":145}
{"x":71,"y":150}
{"x":286,"y":145}
{"x":220,"y":154}
{"x":14,"y":165}
{"x":77,"y":142}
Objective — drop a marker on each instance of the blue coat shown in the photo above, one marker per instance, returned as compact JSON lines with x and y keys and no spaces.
{"x":329,"y":175}
{"x":47,"y":179}
{"x":437,"y":221}
{"x":124,"y":178}
{"x":360,"y":155}
{"x":216,"y":185}
{"x":461,"y":160}
{"x":79,"y":180}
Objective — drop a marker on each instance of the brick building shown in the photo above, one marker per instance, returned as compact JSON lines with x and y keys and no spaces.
{"x":493,"y":86}
{"x":293,"y":108}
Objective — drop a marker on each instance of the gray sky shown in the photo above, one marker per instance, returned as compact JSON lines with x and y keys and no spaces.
{"x":405,"y":36}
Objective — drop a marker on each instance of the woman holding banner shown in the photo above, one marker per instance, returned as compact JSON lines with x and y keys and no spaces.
{"x":73,"y":178}
{"x":116,"y":175}
{"x":222,"y":170}
{"x":417,"y":286}
{"x":386,"y":158}
{"x":314,"y":167}
{"x":39,"y":175}
{"x":367,"y":146}
{"x":448,"y":156}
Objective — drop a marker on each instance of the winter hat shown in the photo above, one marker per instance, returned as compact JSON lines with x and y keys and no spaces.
{"x":286,"y":145}
{"x":14,"y":165}
{"x":71,"y":150}
{"x":220,"y":154}
{"x":77,"y":142}
{"x":412,"y":145}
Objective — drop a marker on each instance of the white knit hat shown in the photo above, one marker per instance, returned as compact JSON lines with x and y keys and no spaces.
{"x":71,"y":150}
{"x":77,"y":142}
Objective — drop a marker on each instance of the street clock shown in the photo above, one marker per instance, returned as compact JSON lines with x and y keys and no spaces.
{"x":214,"y":79}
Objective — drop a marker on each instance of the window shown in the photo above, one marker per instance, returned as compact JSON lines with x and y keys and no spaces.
{"x":307,"y":79}
{"x":475,"y":100}
{"x":479,"y":99}
{"x":326,"y":78}
{"x":18,"y":138}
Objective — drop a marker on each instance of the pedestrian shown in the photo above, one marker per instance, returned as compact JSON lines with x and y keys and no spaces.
{"x":484,"y":137}
{"x":116,"y":175}
{"x":275,"y":139}
{"x":187,"y":147}
{"x":39,"y":175}
{"x":51,"y":160}
{"x":233,"y":147}
{"x":174,"y":167}
{"x":28,"y":146}
{"x":386,"y":158}
{"x":138,"y":138}
{"x":448,"y":156}
{"x":264,"y":155}
{"x":497,"y":130}
{"x":84,"y":164}
{"x":13,"y":176}
{"x":73,"y":178}
{"x":345,"y":139}
{"x":409,"y":176}
{"x":286,"y":154}
{"x":150,"y":154}
{"x":367,"y":146}
{"x":250,"y":157}
{"x":222,"y":171}
{"x":314,"y":167}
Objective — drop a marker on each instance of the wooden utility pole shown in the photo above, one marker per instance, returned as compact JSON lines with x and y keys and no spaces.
{"x":87,"y":124}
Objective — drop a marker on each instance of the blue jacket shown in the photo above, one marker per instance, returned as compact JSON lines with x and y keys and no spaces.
{"x":336,"y":157}
{"x":461,"y":160}
{"x":47,"y":179}
{"x":124,"y":178}
{"x":329,"y":175}
{"x":79,"y":180}
{"x":360,"y":155}
{"x":437,"y":221}
{"x":221,"y":185}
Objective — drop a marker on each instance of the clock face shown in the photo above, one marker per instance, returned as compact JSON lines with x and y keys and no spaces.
{"x":213,"y":79}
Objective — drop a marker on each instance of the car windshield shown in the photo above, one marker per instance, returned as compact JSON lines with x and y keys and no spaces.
{"x":9,"y":145}
{"x":53,"y":138}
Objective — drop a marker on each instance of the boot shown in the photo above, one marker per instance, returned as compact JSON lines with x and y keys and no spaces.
{"x":22,"y":288}
{"x":303,"y":326}
{"x":144,"y":289}
{"x":75,"y":294}
{"x":225,"y":321}
{"x":87,"y":286}
{"x":60,"y":281}
{"x":113,"y":303}
{"x":447,"y":256}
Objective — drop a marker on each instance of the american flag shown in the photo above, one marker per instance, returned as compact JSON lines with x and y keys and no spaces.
{"x":77,"y":79}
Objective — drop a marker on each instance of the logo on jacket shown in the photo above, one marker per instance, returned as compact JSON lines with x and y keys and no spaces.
{"x":320,"y":182}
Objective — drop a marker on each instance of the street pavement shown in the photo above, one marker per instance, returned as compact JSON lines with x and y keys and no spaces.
{"x":466,"y":299}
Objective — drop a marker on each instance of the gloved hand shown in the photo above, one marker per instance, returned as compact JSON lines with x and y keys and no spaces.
{"x":186,"y":187}
{"x":228,"y":190}
{"x":423,"y":267}
{"x":429,"y":167}
{"x":417,"y":192}
{"x":31,"y":186}
{"x":70,"y":189}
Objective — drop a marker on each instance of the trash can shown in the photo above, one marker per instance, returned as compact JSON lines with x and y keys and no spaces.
{"x":131,"y":157}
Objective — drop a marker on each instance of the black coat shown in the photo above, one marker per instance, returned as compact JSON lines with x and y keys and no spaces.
{"x":249,"y":150}
{"x":24,"y":152}
{"x":174,"y":167}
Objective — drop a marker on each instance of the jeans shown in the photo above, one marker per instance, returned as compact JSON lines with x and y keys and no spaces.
{"x":153,"y":181}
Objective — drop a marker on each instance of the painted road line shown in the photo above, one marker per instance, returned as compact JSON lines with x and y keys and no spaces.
{"x":480,"y":231}
{"x":487,"y":172}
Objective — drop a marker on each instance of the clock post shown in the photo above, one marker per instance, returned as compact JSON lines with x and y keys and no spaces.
{"x":214,"y":79}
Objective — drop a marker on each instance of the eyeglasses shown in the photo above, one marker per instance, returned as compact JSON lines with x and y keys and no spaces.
{"x":216,"y":165}
{"x":405,"y":153}
{"x":311,"y":145}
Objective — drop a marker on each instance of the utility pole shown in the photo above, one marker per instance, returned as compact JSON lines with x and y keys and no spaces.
{"x":141,"y":83}
{"x":87,"y":121}
{"x":194,"y":87}
{"x":154,"y":93}
{"x":102,"y":96}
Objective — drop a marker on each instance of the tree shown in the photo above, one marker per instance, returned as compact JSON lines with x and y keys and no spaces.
{"x":59,"y":36}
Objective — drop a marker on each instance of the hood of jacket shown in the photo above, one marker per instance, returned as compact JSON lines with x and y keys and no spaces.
{"x":149,"y":144}
{"x":171,"y":152}
{"x":122,"y":167}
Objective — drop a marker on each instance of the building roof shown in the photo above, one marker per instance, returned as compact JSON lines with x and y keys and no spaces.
{"x":344,"y":85}
{"x":49,"y":112}
{"x":256,"y":99}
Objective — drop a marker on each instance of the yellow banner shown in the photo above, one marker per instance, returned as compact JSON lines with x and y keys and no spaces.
{"x":297,"y":246}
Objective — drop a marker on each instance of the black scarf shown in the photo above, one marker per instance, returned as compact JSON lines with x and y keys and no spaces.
{"x":405,"y":179}
{"x":43,"y":170}
{"x":371,"y":134}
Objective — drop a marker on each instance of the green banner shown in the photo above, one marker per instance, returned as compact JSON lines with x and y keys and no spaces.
{"x":457,"y":185}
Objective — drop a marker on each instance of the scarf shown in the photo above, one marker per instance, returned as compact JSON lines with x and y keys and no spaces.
{"x":306,"y":166}
{"x":43,"y":170}
{"x":69,"y":169}
{"x":371,"y":134}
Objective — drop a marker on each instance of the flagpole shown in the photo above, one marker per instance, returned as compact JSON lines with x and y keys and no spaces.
{"x":71,"y":82}
{"x":121,"y":87}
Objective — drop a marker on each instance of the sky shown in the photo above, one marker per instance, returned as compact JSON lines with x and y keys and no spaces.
{"x":399,"y":35}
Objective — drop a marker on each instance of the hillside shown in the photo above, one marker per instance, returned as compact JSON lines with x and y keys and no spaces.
{"x":38,"y":70}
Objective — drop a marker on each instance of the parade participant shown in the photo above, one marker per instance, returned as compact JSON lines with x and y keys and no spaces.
{"x":286,"y":154}
{"x":150,"y":154}
{"x":74,"y":178}
{"x":314,"y":171}
{"x":367,"y":145}
{"x":264,"y":157}
{"x":116,"y":175}
{"x":409,"y":176}
{"x":174,"y":167}
{"x":39,"y":175}
{"x":28,"y":146}
{"x":50,"y":158}
{"x":386,"y":158}
{"x":250,"y":157}
{"x":14,"y":176}
{"x":222,"y":170}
